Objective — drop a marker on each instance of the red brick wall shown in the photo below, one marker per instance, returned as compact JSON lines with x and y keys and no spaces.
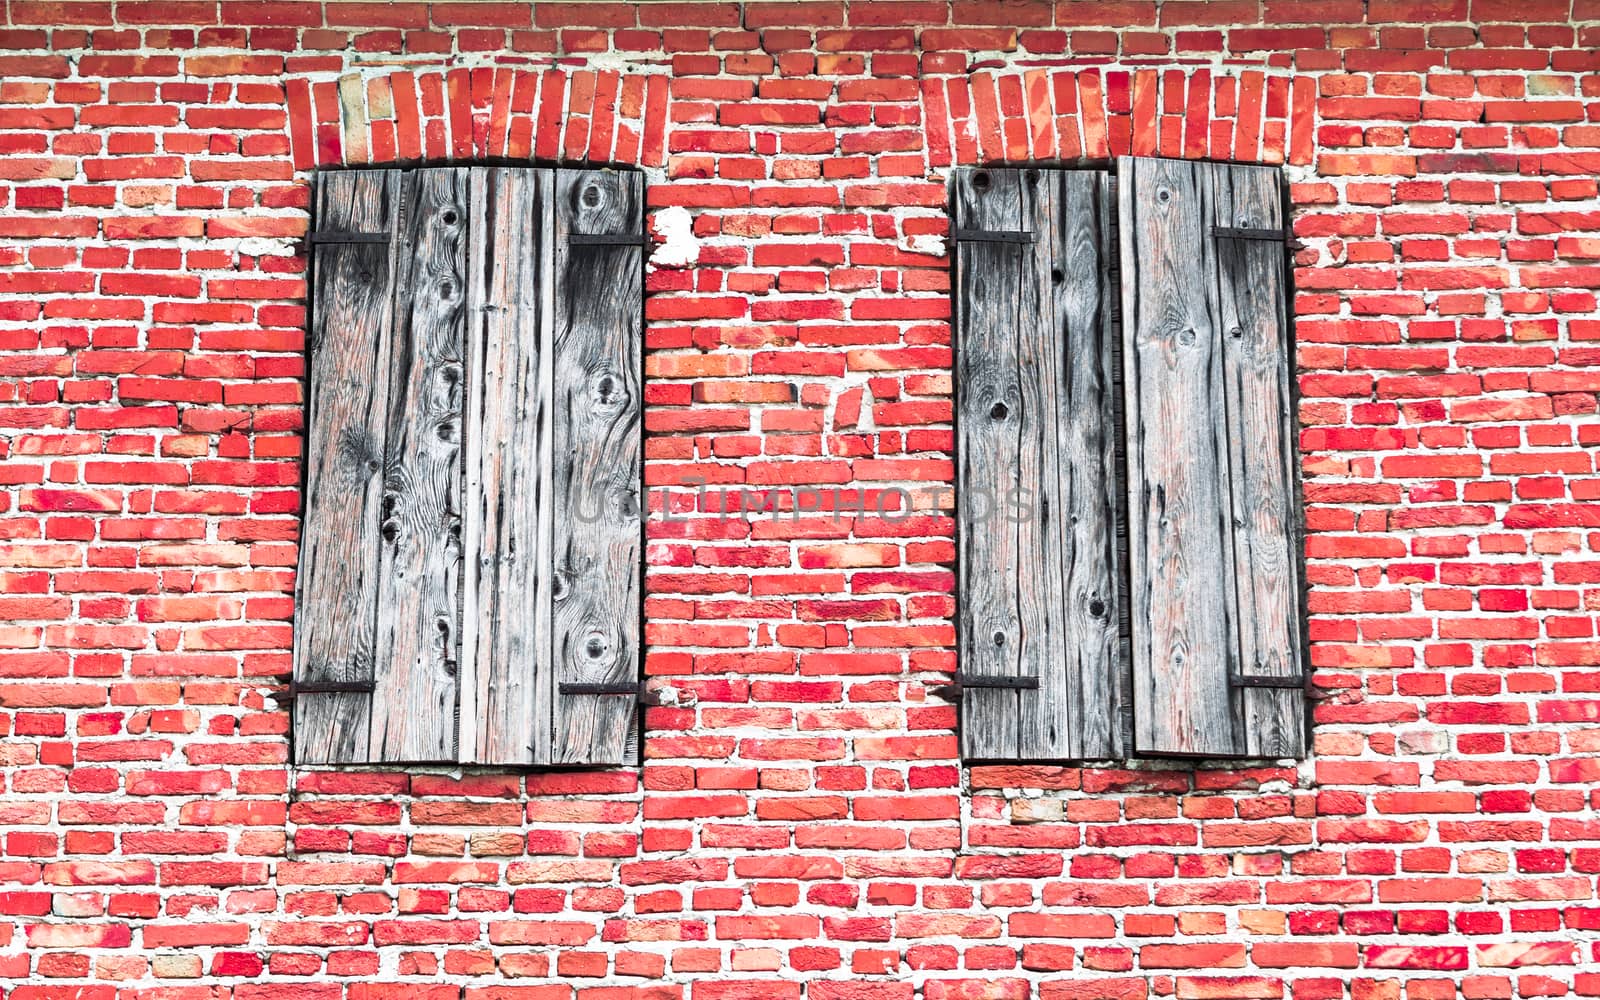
{"x":805,"y":827}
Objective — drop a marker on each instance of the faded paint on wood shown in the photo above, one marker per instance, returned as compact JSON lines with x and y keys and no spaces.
{"x":506,"y":706}
{"x":347,"y":399}
{"x":597,"y":473}
{"x":1036,"y":493}
{"x":1210,"y":463}
{"x":414,"y":706}
{"x":1258,"y":393}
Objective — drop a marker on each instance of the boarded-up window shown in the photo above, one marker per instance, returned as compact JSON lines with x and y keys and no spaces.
{"x":469,"y":580}
{"x":1128,"y":498}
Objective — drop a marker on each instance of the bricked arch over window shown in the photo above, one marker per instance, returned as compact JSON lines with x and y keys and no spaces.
{"x":1048,"y":114}
{"x":487,"y":112}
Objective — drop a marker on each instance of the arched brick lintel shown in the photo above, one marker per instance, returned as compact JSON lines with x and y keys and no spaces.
{"x":576,"y":116}
{"x":1045,"y":114}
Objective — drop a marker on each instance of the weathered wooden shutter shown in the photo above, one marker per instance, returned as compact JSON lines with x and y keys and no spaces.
{"x":1213,"y":489}
{"x":350,"y":344}
{"x":470,"y":576}
{"x":1041,"y":665}
{"x":595,"y":487}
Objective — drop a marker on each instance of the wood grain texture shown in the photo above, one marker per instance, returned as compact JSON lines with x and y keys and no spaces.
{"x":414,"y":706}
{"x":1036,"y":412}
{"x":347,"y":398}
{"x":991,"y":278}
{"x":1213,"y":474}
{"x":1258,"y":394}
{"x":1041,"y":360}
{"x":597,"y":474}
{"x":507,"y":695}
{"x":1183,"y":604}
{"x":1077,"y":523}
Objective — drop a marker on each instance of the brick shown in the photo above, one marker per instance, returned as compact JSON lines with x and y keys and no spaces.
{"x":798,"y":335}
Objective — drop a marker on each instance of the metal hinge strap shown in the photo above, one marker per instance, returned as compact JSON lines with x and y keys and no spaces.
{"x":1258,"y":681}
{"x":993,"y":236}
{"x":643,"y":695}
{"x":996,"y":681}
{"x":609,"y":239}
{"x":330,"y":236}
{"x":298,"y":688}
{"x":1234,"y":233}
{"x":960,"y":682}
{"x":618,"y":688}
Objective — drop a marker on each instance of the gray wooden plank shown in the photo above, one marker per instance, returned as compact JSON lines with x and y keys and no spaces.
{"x":349,"y":347}
{"x":1182,"y":568}
{"x":597,"y":471}
{"x":990,"y":279}
{"x":1043,"y":366}
{"x":1124,"y":678}
{"x":1258,"y":393}
{"x":506,"y":669}
{"x":1081,"y":688}
{"x":414,"y":706}
{"x":1034,"y":328}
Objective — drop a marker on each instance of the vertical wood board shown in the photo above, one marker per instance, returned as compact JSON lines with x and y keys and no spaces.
{"x":349,"y":345}
{"x":507,"y":693}
{"x":1182,"y":566}
{"x":1259,"y":403}
{"x":991,"y":282}
{"x":597,"y":462}
{"x":414,"y":707}
{"x":1080,"y":522}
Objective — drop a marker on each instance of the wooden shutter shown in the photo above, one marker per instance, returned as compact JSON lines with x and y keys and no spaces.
{"x":350,"y":342}
{"x":595,"y":485}
{"x":1213,"y":495}
{"x":491,"y":371}
{"x":1040,"y":657}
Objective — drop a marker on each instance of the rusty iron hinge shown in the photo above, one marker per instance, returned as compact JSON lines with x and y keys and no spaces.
{"x":1239,"y":680}
{"x":960,"y":682}
{"x":298,"y":688}
{"x":609,"y":239}
{"x":992,"y":236}
{"x":1235,"y":233}
{"x":328,"y":236}
{"x":648,"y":696}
